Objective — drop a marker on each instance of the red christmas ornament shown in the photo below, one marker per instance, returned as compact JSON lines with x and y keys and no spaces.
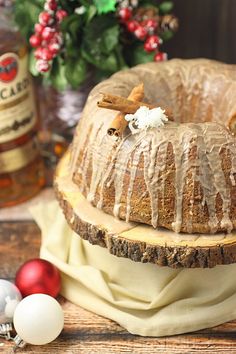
{"x":160,"y":56}
{"x":38,"y":276}
{"x":125,"y":14}
{"x":35,"y":41}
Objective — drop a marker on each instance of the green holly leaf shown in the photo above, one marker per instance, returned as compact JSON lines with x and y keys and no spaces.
{"x":137,"y":55}
{"x":101,"y":36}
{"x":58,"y":74}
{"x":109,"y":63}
{"x":76,"y":71}
{"x":166,"y":35}
{"x":109,"y":39}
{"x":104,"y":6}
{"x":26,"y":15}
{"x":32,"y":64}
{"x":72,"y":26}
{"x":166,"y":6}
{"x":91,"y":12}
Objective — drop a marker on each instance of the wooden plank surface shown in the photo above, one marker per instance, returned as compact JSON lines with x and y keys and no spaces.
{"x":21,"y":211}
{"x":85,"y":332}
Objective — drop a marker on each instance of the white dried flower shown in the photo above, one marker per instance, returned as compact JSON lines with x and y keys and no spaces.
{"x":80,"y":10}
{"x":145,"y":118}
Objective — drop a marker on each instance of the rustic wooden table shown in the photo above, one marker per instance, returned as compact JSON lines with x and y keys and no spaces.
{"x":85,"y":332}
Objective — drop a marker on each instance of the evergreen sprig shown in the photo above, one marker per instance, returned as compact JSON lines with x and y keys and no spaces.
{"x":93,"y":39}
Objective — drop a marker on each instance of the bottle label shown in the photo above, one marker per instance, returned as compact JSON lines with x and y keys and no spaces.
{"x":19,"y":157}
{"x":17,"y":109}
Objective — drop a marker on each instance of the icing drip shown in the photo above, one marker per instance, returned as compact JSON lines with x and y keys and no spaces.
{"x":108,"y":171}
{"x":87,"y":159}
{"x":145,"y":233}
{"x":181,"y":148}
{"x":152,"y":174}
{"x":232,"y":176}
{"x":120,"y":169}
{"x":135,"y":163}
{"x":214,"y":144}
{"x":99,"y":166}
{"x":197,"y":92}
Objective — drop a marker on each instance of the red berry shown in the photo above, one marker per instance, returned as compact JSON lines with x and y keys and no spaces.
{"x":54,"y":49}
{"x":132,"y":25}
{"x":42,"y":66}
{"x":160,"y":56}
{"x":35,"y":41}
{"x":38,"y":28}
{"x":151,"y":24}
{"x":148,"y":47}
{"x":46,"y":54}
{"x":38,"y":53}
{"x":48,"y":33}
{"x":61,"y":14}
{"x":43,"y":53}
{"x":125,"y":13}
{"x":57,"y":38}
{"x":51,"y":5}
{"x":155,"y":40}
{"x":45,"y":18}
{"x":140,"y":32}
{"x":152,"y":43}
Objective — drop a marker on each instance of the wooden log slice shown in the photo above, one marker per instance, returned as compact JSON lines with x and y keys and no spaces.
{"x":140,"y":243}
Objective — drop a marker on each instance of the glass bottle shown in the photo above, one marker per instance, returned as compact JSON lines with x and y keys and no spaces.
{"x":21,"y":166}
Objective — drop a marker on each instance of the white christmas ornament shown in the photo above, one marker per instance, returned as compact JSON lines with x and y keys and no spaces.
{"x":38,"y":320}
{"x":145,"y":118}
{"x":9,"y":299}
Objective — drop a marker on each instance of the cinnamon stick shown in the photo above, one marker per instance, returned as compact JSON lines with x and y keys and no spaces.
{"x":126,"y":106}
{"x":119,"y":123}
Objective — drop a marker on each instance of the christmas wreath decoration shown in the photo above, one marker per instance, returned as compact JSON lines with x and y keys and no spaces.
{"x":70,"y":38}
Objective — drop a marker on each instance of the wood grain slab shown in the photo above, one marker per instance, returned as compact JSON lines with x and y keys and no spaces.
{"x":140,"y":243}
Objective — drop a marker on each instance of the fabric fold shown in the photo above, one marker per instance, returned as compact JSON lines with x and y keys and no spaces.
{"x":145,"y":299}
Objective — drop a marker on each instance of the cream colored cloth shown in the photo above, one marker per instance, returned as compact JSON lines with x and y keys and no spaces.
{"x":143,"y":298}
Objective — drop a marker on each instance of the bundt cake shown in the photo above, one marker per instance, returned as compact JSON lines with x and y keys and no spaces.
{"x":181,"y":176}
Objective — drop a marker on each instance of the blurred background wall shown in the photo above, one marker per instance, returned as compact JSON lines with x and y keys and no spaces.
{"x":207,"y":29}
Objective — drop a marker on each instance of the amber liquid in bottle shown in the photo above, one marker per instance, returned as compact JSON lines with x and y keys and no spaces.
{"x":21,"y":166}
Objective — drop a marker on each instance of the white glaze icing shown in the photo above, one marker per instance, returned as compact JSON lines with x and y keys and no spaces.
{"x":131,"y":231}
{"x":198,"y":91}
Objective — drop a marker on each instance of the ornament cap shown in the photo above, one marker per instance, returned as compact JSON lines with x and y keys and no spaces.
{"x":5,"y":329}
{"x":19,"y":342}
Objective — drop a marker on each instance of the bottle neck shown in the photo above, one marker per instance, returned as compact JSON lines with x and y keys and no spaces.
{"x":10,"y":37}
{"x":7,"y":18}
{"x":6,"y":3}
